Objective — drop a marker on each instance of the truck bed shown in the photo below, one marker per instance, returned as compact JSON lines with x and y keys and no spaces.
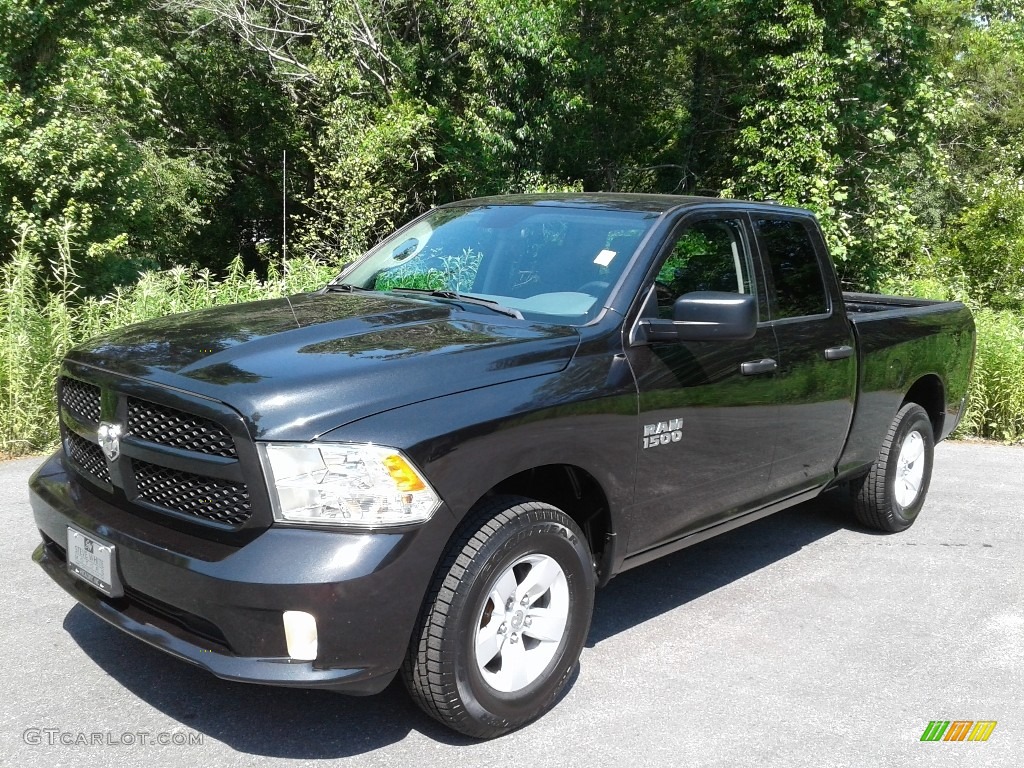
{"x":902,"y":340}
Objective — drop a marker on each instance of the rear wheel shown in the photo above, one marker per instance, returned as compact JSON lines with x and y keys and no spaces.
{"x":505,"y":621}
{"x":891,"y":495}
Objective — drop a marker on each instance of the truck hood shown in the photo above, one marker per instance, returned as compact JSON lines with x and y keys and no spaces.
{"x":300,"y":366}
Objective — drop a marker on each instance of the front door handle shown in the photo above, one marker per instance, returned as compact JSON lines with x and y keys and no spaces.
{"x":839,"y":353}
{"x":754,"y":367}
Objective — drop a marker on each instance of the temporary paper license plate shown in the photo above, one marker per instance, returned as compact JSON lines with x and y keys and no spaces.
{"x":91,"y":560}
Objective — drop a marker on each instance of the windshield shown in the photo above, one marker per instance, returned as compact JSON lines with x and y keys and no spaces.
{"x":550,"y":263}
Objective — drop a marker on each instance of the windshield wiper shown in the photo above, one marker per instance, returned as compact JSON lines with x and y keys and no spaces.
{"x":466,"y":298}
{"x":342,"y":287}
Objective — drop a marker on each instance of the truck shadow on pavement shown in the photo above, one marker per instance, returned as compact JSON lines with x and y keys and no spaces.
{"x":669,"y":582}
{"x":306,"y":724}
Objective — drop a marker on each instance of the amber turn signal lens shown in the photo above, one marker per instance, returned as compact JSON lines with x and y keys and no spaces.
{"x":405,"y":476}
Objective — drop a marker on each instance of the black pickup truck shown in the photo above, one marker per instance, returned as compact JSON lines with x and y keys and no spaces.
{"x":428,"y":466}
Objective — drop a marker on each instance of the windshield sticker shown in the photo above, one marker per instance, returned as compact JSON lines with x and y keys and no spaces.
{"x":604,"y":258}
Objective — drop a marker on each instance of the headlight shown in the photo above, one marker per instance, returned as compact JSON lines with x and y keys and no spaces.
{"x":344,"y":484}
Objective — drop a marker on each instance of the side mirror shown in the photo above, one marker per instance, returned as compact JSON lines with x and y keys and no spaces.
{"x":709,"y":315}
{"x":706,"y":316}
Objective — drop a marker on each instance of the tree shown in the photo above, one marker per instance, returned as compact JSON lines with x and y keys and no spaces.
{"x":982,"y":248}
{"x":844,"y":116}
{"x":138,"y":137}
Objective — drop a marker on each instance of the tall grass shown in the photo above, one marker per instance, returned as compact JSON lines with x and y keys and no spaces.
{"x":995,"y":400}
{"x":44,"y":316}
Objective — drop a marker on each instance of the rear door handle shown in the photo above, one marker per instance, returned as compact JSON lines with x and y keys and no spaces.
{"x":754,"y":367}
{"x":838,"y":353}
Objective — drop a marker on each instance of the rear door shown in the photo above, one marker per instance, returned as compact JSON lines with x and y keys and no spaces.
{"x":817,"y":372}
{"x":707,"y":428}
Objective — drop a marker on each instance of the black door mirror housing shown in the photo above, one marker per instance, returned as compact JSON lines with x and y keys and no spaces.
{"x":709,"y":315}
{"x":706,"y":316}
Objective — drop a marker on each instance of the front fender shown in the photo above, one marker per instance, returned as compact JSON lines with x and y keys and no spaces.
{"x":467,"y":443}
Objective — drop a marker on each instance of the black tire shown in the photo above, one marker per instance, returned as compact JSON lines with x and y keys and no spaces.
{"x":880,"y":499}
{"x":441,"y":669}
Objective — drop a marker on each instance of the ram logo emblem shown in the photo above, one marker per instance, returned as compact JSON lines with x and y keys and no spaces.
{"x":109,"y":438}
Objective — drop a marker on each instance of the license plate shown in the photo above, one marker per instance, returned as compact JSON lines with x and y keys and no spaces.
{"x":91,"y":560}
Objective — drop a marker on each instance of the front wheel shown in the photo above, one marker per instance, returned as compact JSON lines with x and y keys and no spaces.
{"x":505,"y":621}
{"x":891,"y":495}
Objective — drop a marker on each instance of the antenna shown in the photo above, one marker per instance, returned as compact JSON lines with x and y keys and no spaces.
{"x":284,"y":210}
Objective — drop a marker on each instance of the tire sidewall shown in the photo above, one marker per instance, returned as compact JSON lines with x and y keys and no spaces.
{"x":526,"y":535}
{"x":914,"y":419}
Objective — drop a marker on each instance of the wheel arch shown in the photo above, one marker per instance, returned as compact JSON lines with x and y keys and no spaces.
{"x":929,"y":392}
{"x":576,"y":492}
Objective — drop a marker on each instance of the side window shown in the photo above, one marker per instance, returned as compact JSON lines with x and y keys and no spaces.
{"x":799,"y":288}
{"x":706,"y":256}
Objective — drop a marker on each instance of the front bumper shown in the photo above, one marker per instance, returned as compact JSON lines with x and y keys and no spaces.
{"x":220,"y":606}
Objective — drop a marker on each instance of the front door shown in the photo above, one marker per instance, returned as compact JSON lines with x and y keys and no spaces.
{"x":707,"y":422}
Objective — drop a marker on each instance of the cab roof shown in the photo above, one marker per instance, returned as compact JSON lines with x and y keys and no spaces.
{"x":619,"y":201}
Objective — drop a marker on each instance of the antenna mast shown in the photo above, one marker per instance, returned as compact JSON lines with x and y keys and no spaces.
{"x":284,"y":210}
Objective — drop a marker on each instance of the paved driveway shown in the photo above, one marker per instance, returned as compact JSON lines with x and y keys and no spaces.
{"x":799,"y":640}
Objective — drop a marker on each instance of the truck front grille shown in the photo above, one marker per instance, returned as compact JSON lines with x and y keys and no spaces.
{"x":206,"y":497}
{"x":80,"y":398}
{"x":169,"y":426}
{"x":171,"y":461}
{"x":88,"y":456}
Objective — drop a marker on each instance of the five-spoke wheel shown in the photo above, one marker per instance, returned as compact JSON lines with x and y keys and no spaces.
{"x":522,"y":623}
{"x":505,"y":620}
{"x":892,"y":493}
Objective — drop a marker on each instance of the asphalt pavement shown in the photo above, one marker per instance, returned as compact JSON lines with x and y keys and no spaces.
{"x":799,"y":640}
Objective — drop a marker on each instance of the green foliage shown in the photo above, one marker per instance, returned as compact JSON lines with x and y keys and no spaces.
{"x":984,"y":248}
{"x":224,"y":107}
{"x":389,"y":107}
{"x":995,"y":403}
{"x":980,"y":206}
{"x":456,"y":273}
{"x":82,"y":155}
{"x":140,"y":134}
{"x":370,"y":160}
{"x":137,"y":136}
{"x":692,"y":243}
{"x":431,"y":280}
{"x":786,"y":145}
{"x":844,"y":118}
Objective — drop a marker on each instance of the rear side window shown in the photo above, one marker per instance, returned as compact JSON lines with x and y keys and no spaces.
{"x":799,"y":288}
